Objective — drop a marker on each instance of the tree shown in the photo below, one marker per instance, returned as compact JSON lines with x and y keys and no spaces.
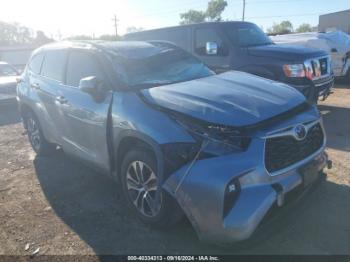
{"x":215,"y":9}
{"x":16,"y":34}
{"x":285,"y":27}
{"x":41,"y":38}
{"x":23,"y":34}
{"x":304,"y":28}
{"x":213,"y":13}
{"x":192,"y":16}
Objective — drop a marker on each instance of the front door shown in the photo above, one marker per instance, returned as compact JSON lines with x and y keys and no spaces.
{"x":83,"y":118}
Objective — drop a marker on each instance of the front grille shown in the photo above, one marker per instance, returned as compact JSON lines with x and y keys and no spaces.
{"x":323,"y":66}
{"x":317,"y":68}
{"x":281,"y":152}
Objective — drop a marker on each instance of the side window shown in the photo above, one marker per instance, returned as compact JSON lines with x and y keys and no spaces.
{"x":179,"y":36}
{"x":204,"y":35}
{"x":53,"y":66}
{"x":35,"y":63}
{"x":81,"y":65}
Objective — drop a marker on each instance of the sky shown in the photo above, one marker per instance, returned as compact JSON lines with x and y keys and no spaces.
{"x":64,"y":18}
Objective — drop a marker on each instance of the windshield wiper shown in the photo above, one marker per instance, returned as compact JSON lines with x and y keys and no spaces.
{"x":149,"y":85}
{"x":262,"y":44}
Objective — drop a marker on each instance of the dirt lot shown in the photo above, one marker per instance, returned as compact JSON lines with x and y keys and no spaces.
{"x":62,"y":207}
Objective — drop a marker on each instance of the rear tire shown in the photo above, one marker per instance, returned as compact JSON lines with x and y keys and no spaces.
{"x":36,"y":138}
{"x":140,"y":181}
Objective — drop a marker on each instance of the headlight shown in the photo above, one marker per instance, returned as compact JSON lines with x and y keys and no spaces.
{"x":296,"y":70}
{"x":215,"y":139}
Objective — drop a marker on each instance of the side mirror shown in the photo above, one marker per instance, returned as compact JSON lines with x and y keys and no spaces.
{"x":91,"y":85}
{"x":211,"y":48}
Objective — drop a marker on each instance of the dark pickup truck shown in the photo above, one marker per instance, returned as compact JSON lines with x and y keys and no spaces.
{"x":245,"y":47}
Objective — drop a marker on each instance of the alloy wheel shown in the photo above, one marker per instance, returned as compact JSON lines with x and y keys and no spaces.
{"x":142,"y":185}
{"x":33,"y":133}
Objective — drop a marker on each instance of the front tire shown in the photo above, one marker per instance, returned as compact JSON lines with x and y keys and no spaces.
{"x":347,"y":77}
{"x":36,"y":138}
{"x":140,"y":182}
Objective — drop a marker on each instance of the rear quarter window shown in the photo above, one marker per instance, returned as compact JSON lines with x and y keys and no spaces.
{"x":54,"y":63}
{"x":35,"y":63}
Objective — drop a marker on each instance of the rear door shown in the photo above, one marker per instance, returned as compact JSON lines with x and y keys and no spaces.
{"x":45,"y":86}
{"x":83,"y":118}
{"x":219,"y":62}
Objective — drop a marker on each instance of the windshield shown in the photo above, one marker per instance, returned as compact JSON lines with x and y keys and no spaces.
{"x":245,"y":35}
{"x":7,"y":70}
{"x":161,"y":66}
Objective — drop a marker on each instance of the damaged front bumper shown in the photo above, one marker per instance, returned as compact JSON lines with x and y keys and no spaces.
{"x":201,"y":190}
{"x":316,"y":89}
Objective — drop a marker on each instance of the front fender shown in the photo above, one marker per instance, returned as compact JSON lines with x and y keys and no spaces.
{"x":133,"y":118}
{"x":133,"y":134}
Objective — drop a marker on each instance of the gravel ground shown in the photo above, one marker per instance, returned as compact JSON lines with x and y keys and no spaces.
{"x":61,"y":207}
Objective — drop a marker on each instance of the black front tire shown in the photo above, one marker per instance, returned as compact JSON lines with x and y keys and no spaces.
{"x":36,"y":138}
{"x":167,"y":212}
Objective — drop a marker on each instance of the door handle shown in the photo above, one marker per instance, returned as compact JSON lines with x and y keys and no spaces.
{"x":61,"y":99}
{"x":35,"y":86}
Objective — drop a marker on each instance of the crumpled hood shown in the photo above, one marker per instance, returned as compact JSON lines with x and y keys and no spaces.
{"x":232,"y":98}
{"x":286,"y":52}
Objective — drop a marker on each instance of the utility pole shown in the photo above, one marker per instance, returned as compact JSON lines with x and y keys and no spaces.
{"x":116,"y":25}
{"x":243,"y":10}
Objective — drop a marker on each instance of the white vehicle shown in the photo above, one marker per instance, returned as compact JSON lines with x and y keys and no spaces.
{"x":336,"y":43}
{"x":8,"y":82}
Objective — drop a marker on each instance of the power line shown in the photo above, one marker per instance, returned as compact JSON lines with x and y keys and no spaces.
{"x":291,"y":15}
{"x":235,"y":2}
{"x":193,"y":5}
{"x":273,"y":2}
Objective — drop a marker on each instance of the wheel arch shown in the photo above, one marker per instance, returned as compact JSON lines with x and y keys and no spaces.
{"x":129,"y":139}
{"x":24,"y":109}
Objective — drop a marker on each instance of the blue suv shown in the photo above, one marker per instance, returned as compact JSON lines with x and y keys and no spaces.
{"x":220,"y":149}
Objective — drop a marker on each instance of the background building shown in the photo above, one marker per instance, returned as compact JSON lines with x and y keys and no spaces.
{"x":17,"y":55}
{"x":338,"y":20}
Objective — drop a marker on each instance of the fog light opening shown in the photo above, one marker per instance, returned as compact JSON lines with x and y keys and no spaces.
{"x":232,"y":191}
{"x":280,"y":195}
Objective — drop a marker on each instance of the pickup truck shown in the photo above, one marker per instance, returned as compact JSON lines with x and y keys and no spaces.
{"x":336,"y":44}
{"x":178,"y":138}
{"x":243,"y":46}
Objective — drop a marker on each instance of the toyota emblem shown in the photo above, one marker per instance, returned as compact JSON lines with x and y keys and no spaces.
{"x":300,"y":132}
